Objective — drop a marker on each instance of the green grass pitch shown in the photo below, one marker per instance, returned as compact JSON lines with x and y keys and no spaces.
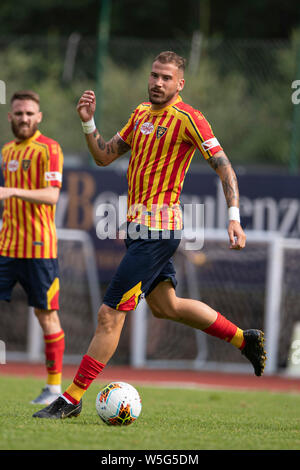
{"x":171,"y":418}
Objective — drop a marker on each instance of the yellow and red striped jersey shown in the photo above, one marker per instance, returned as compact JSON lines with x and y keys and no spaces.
{"x":28,"y":229}
{"x":163,"y":143}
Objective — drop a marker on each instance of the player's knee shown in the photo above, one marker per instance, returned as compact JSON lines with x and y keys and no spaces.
{"x":47,"y":318}
{"x":108,"y":319}
{"x":166,"y":311}
{"x":105,"y":319}
{"x":157,"y":313}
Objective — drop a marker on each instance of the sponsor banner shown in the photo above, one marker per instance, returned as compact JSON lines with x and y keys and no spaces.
{"x":267,"y":202}
{"x":93,"y":199}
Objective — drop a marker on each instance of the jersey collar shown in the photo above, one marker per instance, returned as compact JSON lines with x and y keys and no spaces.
{"x":158,"y":112}
{"x":27,"y":141}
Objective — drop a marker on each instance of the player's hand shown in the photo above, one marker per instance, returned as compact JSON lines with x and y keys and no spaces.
{"x":236,"y":234}
{"x":86,"y":106}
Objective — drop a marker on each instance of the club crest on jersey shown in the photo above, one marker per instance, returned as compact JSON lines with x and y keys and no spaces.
{"x":26,"y":164}
{"x":161,"y":131}
{"x":147,"y":128}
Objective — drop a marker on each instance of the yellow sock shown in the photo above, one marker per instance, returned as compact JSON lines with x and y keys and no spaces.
{"x":88,"y":370}
{"x":75,"y":392}
{"x":54,"y":379}
{"x":238,"y":339}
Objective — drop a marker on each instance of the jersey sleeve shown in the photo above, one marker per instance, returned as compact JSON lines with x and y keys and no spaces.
{"x":198,"y":132}
{"x":2,"y":168}
{"x":126,"y":133}
{"x":54,"y":165}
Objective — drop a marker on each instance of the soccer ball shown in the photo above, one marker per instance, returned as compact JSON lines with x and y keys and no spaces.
{"x":118,"y":404}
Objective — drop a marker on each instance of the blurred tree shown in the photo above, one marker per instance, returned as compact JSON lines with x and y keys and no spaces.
{"x":267,"y":19}
{"x":250,"y":109}
{"x":42,"y":18}
{"x":153,"y":18}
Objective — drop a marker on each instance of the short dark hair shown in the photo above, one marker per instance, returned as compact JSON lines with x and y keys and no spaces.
{"x":25,"y":95}
{"x":168,"y":57}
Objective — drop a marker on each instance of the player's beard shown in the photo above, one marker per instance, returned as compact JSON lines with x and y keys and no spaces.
{"x":160,"y":98}
{"x":23,"y":131}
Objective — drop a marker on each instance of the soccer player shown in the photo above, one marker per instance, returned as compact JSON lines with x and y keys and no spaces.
{"x":162,"y":135}
{"x":32,"y":169}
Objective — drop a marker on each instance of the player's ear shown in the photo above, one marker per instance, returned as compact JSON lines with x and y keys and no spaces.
{"x":181,"y":84}
{"x":40,"y":117}
{"x":9,"y":117}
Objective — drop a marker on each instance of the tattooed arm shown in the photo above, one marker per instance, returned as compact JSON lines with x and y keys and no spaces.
{"x":221,"y":164}
{"x":103,"y":152}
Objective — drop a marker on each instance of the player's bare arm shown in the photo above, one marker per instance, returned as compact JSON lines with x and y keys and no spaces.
{"x":221,"y":164}
{"x":103,"y":152}
{"x":47,"y":195}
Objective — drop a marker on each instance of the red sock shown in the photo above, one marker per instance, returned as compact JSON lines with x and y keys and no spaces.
{"x":54,"y":352}
{"x":224,"y":329}
{"x":88,"y":370}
